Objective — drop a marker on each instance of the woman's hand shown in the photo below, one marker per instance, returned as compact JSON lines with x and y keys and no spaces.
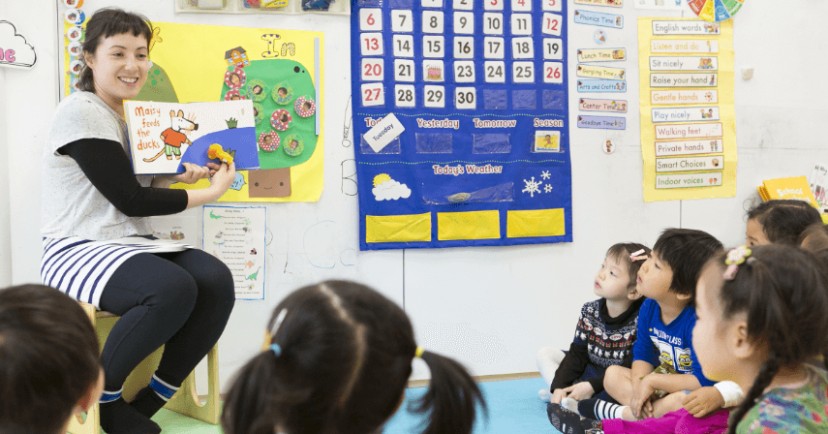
{"x":192,"y":173}
{"x":223,"y":178}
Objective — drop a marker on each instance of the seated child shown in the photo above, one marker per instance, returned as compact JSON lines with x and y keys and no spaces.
{"x":652,"y":388}
{"x":779,"y":221}
{"x":761,"y":322}
{"x":338,"y":361}
{"x":604,"y":334}
{"x":49,"y":361}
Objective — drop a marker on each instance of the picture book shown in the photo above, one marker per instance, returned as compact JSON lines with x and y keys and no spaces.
{"x":164,"y":135}
{"x":787,"y":188}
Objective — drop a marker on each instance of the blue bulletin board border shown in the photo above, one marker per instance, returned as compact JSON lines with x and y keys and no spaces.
{"x":489,"y":163}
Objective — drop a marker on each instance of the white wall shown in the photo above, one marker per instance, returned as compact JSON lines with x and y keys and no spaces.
{"x":489,"y":307}
{"x":5,"y":211}
{"x":30,"y":97}
{"x":5,"y":241}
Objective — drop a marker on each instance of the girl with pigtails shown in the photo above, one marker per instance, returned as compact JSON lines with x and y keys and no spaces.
{"x":762,"y":323}
{"x":338,"y":361}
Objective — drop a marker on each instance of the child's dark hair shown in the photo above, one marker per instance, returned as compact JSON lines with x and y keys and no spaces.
{"x":623,"y":251}
{"x":686,"y":251}
{"x":782,"y":291}
{"x":341,"y":364}
{"x":784,"y":220}
{"x":103,"y":24}
{"x":49,"y":359}
{"x":814,"y":239}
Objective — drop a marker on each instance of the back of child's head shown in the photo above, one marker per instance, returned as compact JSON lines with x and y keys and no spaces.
{"x":49,"y":359}
{"x":622,"y":252}
{"x":814,"y":239}
{"x":782,"y":293}
{"x":686,"y":251}
{"x":339,"y":362}
{"x":784,"y":220}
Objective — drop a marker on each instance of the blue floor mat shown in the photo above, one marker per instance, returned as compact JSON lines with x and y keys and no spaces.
{"x":514,"y":408}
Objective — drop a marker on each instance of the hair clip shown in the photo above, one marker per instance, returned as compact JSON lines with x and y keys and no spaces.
{"x":638,"y":255}
{"x":418,"y":353}
{"x":276,"y":349}
{"x":735,"y":257}
{"x":278,"y":322}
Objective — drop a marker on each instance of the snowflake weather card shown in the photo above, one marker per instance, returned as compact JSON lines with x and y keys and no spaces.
{"x":461,"y":122}
{"x":164,"y":135}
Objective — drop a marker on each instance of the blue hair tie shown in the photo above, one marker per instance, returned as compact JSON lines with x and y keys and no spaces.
{"x":277,"y":350}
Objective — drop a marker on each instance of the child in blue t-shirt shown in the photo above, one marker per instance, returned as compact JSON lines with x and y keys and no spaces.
{"x":652,"y":388}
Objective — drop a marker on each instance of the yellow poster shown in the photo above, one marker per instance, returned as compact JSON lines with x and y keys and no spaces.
{"x":280,"y":71}
{"x":688,"y":122}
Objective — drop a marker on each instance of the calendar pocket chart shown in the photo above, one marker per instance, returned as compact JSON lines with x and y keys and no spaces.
{"x":461,"y":122}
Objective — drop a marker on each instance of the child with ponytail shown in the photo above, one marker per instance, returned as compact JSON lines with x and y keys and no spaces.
{"x":762,"y":323}
{"x":338,"y":361}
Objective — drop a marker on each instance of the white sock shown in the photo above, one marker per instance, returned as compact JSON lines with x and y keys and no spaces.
{"x":608,"y":410}
{"x":570,"y":404}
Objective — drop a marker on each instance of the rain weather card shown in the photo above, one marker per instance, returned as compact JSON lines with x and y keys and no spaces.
{"x":164,"y":135}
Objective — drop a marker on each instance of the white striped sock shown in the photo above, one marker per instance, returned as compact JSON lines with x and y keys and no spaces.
{"x":608,"y":410}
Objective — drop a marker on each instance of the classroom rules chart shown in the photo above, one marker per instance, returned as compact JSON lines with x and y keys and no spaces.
{"x":461,"y":122}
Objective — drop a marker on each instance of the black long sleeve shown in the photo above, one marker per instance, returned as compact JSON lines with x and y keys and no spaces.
{"x":572,"y":367}
{"x":108,"y":168}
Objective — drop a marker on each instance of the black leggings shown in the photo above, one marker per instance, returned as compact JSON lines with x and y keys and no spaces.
{"x":180,"y":300}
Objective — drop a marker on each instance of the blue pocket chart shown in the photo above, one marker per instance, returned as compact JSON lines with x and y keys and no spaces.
{"x":461,"y":122}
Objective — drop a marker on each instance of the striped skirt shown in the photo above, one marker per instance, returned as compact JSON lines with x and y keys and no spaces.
{"x":81,"y":268}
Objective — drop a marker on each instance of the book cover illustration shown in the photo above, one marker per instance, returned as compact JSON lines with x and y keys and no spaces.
{"x":164,"y":135}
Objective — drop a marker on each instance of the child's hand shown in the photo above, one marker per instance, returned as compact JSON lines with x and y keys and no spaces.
{"x":558,"y":395}
{"x":579,"y":391}
{"x":703,"y":401}
{"x":640,"y":403}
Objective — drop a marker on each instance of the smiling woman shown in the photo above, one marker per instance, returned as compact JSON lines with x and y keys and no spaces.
{"x":179,"y":297}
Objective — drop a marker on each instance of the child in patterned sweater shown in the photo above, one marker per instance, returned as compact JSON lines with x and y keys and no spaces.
{"x":605,"y":332}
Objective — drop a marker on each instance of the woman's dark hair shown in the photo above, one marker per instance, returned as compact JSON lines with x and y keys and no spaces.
{"x":784,"y":220}
{"x":344,"y":360}
{"x":49,"y":359}
{"x":623,"y":251}
{"x":103,"y":24}
{"x":783,"y":293}
{"x":686,"y":251}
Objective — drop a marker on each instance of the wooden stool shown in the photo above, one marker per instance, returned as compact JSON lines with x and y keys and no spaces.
{"x":185,"y":401}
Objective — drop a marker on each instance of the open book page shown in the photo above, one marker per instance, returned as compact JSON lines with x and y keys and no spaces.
{"x":153,"y":246}
{"x":163,"y":135}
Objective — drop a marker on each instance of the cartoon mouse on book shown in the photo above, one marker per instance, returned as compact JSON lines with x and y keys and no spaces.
{"x":175,"y":136}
